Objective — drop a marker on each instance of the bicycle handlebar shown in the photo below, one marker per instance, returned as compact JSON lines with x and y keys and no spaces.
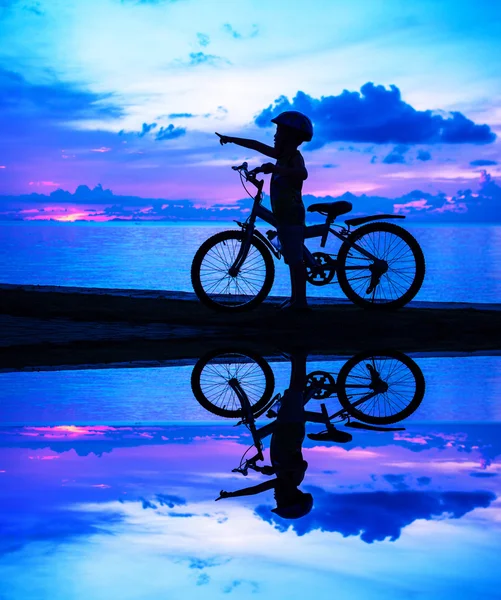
{"x":250,"y":175}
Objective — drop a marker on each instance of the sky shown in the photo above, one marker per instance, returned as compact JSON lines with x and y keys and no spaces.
{"x":128,"y":94}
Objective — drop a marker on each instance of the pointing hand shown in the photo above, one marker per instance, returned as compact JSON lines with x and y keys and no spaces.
{"x":224,"y":139}
{"x":223,"y":494}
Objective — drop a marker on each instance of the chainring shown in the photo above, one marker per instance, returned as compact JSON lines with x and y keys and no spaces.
{"x":324,"y":270}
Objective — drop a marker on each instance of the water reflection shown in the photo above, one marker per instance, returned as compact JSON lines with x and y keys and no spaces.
{"x":133,"y":507}
{"x":378,"y":388}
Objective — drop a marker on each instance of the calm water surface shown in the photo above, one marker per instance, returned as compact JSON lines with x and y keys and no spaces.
{"x":108,"y":481}
{"x":463,"y":263}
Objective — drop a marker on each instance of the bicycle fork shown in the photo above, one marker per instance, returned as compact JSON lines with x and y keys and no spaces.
{"x":242,"y":254}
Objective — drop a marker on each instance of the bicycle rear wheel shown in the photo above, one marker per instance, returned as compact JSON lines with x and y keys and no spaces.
{"x":219,"y":290}
{"x":211,"y":376}
{"x":392,"y":246}
{"x":404,"y":393}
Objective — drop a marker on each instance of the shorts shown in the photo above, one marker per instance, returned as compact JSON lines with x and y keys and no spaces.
{"x":291,"y":240}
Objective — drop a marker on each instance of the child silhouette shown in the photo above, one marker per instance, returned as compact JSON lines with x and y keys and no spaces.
{"x":288,"y":174}
{"x":287,"y":462}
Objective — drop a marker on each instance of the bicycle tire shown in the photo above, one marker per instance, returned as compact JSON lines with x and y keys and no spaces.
{"x":378,"y":303}
{"x":349,"y":370}
{"x":217,"y":357}
{"x":227,"y":302}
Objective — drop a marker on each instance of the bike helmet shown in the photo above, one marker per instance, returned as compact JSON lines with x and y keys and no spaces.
{"x":300,"y":508}
{"x":296,"y":120}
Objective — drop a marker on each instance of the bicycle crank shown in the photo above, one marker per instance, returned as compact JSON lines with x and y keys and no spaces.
{"x":323,"y":271}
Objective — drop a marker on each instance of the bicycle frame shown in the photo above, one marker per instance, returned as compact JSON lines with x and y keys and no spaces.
{"x":311,"y":231}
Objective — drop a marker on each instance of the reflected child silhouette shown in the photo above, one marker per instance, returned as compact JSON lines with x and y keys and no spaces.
{"x":287,"y":462}
{"x":288,"y":174}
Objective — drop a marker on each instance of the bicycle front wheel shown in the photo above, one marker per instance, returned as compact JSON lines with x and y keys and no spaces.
{"x":219,"y":290}
{"x":391,"y":276}
{"x":380,"y":388}
{"x":211,"y":376}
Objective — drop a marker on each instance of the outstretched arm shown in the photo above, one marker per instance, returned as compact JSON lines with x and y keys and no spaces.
{"x":249,"y":491}
{"x":251,"y":144}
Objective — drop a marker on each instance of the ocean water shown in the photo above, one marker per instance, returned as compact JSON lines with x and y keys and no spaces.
{"x":463,"y":262}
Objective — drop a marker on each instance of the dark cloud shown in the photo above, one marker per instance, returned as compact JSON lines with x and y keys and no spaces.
{"x":146,"y":129}
{"x":423,"y":155}
{"x":483,"y":474}
{"x":203,"y":39}
{"x":329,"y":166}
{"x":396,"y":155}
{"x":170,"y":132}
{"x":239,"y":36}
{"x":377,"y":115}
{"x":483,"y":163}
{"x":51,"y":524}
{"x":24,"y":102}
{"x":377,"y":516}
{"x":170,"y":500}
{"x":396,"y":481}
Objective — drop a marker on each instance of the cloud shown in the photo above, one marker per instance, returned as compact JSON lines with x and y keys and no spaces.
{"x":203,"y":579}
{"x":102,"y":150}
{"x":22,"y":102}
{"x":377,"y":115}
{"x":200,"y":58}
{"x":203,"y":39}
{"x":239,"y":36}
{"x":396,"y":481}
{"x":423,"y":155}
{"x":52,"y":524}
{"x":146,"y":129}
{"x":170,"y":500}
{"x":377,"y":516}
{"x":170,"y":132}
{"x":181,"y":115}
{"x":396,"y":155}
{"x":329,"y":166}
{"x":482,"y":206}
{"x":483,"y":163}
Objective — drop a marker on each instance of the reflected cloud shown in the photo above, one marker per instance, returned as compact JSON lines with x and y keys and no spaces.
{"x":378,"y":516}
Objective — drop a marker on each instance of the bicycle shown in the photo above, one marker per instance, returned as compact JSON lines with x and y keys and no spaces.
{"x":246,"y":382}
{"x":378,"y":266}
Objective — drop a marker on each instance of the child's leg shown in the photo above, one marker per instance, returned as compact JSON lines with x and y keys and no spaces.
{"x":292,"y":239}
{"x":298,"y":284}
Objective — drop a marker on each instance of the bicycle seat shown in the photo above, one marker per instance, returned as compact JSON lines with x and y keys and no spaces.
{"x":340,"y":437}
{"x":331,"y":209}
